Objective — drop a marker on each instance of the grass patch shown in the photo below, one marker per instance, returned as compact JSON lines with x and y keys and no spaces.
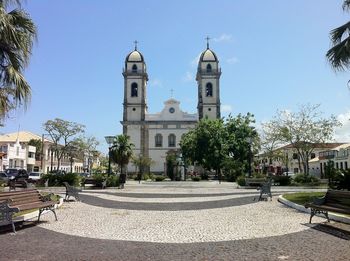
{"x":303,"y":197}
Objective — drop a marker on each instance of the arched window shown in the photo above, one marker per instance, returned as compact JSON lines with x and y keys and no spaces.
{"x":134,"y":68}
{"x":158,"y":140}
{"x":171,"y":140}
{"x":208,"y":67}
{"x":134,"y":89}
{"x":209,"y":90}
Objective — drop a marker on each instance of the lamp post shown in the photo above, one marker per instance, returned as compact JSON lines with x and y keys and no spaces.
{"x":249,"y":140}
{"x":109,"y":140}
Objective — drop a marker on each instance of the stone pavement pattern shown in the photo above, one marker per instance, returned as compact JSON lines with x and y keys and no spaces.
{"x":148,"y":222}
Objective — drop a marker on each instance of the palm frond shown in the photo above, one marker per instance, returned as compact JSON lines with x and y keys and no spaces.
{"x":339,"y":55}
{"x":346,"y":5}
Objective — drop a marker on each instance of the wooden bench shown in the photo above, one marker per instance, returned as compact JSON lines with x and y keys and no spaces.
{"x":337,"y":201}
{"x":16,"y":201}
{"x":255,"y":182}
{"x":94,"y":182}
{"x":71,"y":191}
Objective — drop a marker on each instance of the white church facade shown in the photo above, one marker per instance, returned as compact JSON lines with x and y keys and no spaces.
{"x":154,"y":135}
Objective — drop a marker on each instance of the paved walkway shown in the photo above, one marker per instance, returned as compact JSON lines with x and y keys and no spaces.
{"x":178,"y":221}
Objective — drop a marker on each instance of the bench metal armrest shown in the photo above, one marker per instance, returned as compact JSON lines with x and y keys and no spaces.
{"x":316,"y":201}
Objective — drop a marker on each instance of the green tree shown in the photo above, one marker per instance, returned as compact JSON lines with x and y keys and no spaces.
{"x":122,"y":151}
{"x":304,"y":130}
{"x":171,"y":164}
{"x":17,"y":34}
{"x":242,"y":140}
{"x":142,"y":163}
{"x":62,"y":134}
{"x":221,"y":144}
{"x":87,"y":148}
{"x":339,"y":54}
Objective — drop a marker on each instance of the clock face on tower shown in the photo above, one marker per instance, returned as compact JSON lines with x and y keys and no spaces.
{"x":171,"y":110}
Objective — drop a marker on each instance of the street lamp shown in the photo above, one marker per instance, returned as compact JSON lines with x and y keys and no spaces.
{"x":109,"y":140}
{"x":250,"y":140}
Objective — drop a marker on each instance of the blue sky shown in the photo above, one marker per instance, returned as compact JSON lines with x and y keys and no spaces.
{"x":272,"y":56}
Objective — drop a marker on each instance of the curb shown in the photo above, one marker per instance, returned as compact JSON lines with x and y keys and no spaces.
{"x":332,"y":216}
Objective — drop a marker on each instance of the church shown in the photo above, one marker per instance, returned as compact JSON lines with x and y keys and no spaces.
{"x":156,"y":134}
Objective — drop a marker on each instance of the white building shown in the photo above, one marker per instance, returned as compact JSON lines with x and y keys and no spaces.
{"x":16,"y":153}
{"x":286,"y":158}
{"x":155,"y":134}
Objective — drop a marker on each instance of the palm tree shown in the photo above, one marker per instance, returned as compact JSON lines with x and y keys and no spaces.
{"x":121,"y":152}
{"x":17,"y":34}
{"x":339,"y":54}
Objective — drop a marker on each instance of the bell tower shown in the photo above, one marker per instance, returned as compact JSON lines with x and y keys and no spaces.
{"x":208,"y":80}
{"x":135,"y":101}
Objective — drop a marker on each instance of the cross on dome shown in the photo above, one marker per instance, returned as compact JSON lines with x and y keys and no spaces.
{"x":207,"y":38}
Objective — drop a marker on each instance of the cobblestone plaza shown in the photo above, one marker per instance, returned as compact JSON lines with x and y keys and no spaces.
{"x":178,"y":221}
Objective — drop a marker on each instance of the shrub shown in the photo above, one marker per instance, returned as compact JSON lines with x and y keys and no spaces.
{"x":282,"y":180}
{"x":258,"y":175}
{"x":159,"y":178}
{"x":99,"y":178}
{"x":241,"y":181}
{"x":73,"y":179}
{"x":113,"y":181}
{"x":204,"y":176}
{"x":2,"y":183}
{"x":306,"y":179}
{"x":196,"y":178}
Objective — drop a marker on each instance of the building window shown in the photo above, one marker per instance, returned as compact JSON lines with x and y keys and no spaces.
{"x":341,"y":165}
{"x":159,"y":140}
{"x":295,"y":156}
{"x":171,"y":140}
{"x":313,"y":155}
{"x":31,"y":154}
{"x":209,"y":90}
{"x":337,"y":165}
{"x":134,"y":68}
{"x":346,"y":164}
{"x":208,"y":68}
{"x":134,"y":89}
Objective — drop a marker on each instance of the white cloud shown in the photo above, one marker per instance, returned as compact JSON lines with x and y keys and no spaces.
{"x":194,"y":62}
{"x":342,"y":133}
{"x":223,"y":38}
{"x":232,"y":60}
{"x":226,"y":108}
{"x":188,"y":77}
{"x":155,"y":83}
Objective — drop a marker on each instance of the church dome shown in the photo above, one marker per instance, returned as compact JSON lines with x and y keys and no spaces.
{"x":134,"y":56}
{"x":208,"y":56}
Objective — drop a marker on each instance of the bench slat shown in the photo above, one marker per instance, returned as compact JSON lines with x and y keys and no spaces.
{"x":34,"y":205}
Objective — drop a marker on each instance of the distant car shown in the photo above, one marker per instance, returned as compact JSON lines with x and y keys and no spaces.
{"x":35,"y":175}
{"x":4,"y":177}
{"x":289,"y":174}
{"x":16,"y":174}
{"x":85,"y":174}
